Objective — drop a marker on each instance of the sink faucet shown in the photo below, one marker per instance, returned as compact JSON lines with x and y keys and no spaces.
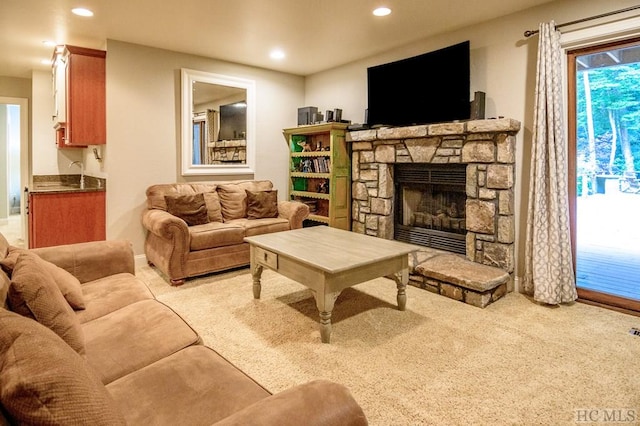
{"x":81,"y":172}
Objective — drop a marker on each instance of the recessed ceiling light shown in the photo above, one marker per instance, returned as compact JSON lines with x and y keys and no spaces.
{"x":382,"y":11}
{"x":277,"y":54}
{"x":80,"y":11}
{"x":49,"y":43}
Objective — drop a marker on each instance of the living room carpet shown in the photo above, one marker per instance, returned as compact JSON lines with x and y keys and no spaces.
{"x":439,"y":362}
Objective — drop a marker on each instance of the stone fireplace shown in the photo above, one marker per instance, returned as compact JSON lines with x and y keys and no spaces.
{"x":486,"y":150}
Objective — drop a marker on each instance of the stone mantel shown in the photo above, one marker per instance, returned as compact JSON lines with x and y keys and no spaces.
{"x":487,"y":147}
{"x":503,"y":125}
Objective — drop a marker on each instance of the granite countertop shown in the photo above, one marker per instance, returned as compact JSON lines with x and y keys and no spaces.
{"x":47,"y":184}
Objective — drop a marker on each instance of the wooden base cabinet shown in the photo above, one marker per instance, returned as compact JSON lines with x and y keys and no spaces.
{"x":66,"y":218}
{"x":320,"y":172}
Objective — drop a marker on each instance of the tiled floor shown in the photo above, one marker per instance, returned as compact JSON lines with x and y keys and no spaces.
{"x":12,"y":231}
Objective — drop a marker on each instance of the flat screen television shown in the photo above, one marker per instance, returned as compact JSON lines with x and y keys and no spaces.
{"x":429,"y":88}
{"x":233,"y":121}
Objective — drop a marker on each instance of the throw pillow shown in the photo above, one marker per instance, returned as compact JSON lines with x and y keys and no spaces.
{"x":232,"y":201}
{"x":34,"y":294}
{"x":69,"y":285}
{"x":262,"y":204}
{"x":43,"y":381}
{"x":233,"y":198}
{"x":189,"y":207}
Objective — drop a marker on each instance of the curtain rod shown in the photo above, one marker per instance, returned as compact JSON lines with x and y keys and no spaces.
{"x":529,"y":33}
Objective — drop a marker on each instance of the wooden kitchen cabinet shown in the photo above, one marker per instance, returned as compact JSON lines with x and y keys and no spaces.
{"x":79,"y":96}
{"x":66,"y":217}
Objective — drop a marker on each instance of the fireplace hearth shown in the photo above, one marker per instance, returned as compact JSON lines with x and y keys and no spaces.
{"x":481,"y":225}
{"x":430,"y":204}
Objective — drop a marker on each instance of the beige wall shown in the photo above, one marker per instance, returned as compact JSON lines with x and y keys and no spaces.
{"x":46,"y":158}
{"x":503,"y":64}
{"x":143,"y":128}
{"x":12,"y":87}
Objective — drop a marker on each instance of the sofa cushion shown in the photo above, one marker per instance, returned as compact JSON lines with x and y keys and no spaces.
{"x":262,"y":204}
{"x":156,"y":394}
{"x":262,"y":226}
{"x":133,"y":337}
{"x":34,"y":294}
{"x":108,"y":294}
{"x":215,"y":234}
{"x":190,"y":208}
{"x":233,"y":197}
{"x":211,"y":199}
{"x":69,"y":285}
{"x":51,"y":386}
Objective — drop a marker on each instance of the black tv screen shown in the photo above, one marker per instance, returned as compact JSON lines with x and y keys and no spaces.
{"x":430,"y":88}
{"x":233,"y":121}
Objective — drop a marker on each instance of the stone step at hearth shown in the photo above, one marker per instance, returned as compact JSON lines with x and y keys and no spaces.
{"x":458,"y":278}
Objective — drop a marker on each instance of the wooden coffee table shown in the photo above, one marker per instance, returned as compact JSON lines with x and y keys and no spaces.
{"x":328,"y":260}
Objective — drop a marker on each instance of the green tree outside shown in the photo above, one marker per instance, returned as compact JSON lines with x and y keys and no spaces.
{"x":608,"y":124}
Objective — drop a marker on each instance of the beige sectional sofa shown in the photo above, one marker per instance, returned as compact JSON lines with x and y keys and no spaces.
{"x":83,"y":341}
{"x":221,"y":215}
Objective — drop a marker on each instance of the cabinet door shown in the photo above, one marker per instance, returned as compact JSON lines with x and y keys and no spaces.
{"x":79,"y":93}
{"x":66,"y":218}
{"x":86,"y":100}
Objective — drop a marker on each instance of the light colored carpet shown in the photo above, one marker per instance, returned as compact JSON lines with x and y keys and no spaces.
{"x":439,"y":362}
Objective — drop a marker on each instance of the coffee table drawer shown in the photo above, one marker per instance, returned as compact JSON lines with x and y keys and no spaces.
{"x":266,"y":257}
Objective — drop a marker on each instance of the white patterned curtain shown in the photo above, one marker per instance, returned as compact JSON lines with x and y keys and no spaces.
{"x":548,"y":261}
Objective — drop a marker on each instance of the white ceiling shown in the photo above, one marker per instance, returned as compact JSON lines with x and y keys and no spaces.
{"x":315,"y":34}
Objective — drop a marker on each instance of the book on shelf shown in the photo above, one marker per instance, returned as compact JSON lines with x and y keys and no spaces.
{"x":321,"y":165}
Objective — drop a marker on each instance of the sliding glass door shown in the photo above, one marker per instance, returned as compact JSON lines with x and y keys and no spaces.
{"x":604,"y":145}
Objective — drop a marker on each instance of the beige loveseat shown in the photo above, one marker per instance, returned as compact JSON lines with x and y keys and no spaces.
{"x":232,"y":210}
{"x":122,"y":357}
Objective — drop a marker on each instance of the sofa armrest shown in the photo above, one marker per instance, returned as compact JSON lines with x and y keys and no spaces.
{"x":164,"y":224}
{"x":317,"y":403}
{"x":168,"y":227}
{"x":93,"y":260}
{"x":294,"y":211}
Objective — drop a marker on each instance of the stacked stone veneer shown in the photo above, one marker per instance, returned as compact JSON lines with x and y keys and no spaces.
{"x":228,"y":151}
{"x":487,"y":147}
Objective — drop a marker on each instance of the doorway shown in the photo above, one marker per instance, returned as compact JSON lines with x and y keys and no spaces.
{"x":15,"y":175}
{"x":604,"y":164}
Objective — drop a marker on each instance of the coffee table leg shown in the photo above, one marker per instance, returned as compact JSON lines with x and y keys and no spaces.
{"x":325,"y":305}
{"x":256,"y":273}
{"x":402,"y":278}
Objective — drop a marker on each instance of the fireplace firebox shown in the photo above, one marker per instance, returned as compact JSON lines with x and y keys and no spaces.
{"x":430,"y":205}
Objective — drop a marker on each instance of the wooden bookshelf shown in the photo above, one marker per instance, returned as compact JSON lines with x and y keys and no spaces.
{"x":320,"y":172}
